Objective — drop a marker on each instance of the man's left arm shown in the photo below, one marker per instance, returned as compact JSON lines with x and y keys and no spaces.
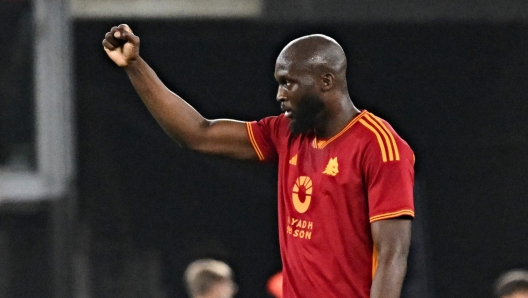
{"x":392,"y":238}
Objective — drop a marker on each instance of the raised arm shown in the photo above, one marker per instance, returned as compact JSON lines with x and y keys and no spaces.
{"x":392,"y":238}
{"x":177,"y":118}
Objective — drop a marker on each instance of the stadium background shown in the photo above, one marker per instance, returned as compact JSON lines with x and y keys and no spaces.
{"x":452,"y":82}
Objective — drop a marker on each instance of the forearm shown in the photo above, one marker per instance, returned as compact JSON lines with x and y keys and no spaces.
{"x":183,"y":123}
{"x":389,"y":277}
{"x":392,"y":238}
{"x":177,"y":118}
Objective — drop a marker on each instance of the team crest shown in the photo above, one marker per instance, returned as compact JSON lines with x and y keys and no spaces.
{"x":332,"y":167}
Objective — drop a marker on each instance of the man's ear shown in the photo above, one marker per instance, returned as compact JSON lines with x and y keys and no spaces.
{"x":327,"y":81}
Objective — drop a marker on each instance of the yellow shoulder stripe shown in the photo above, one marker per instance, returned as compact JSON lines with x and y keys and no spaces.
{"x":396,"y":151}
{"x":384,"y":136}
{"x":253,"y":141}
{"x":382,"y":146}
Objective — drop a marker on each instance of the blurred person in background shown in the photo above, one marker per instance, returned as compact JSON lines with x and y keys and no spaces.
{"x":345,"y":177}
{"x":208,"y":278}
{"x":512,"y":284}
{"x":274,"y":285}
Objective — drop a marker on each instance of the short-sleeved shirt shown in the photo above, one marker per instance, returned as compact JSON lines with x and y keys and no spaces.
{"x":329,"y":192}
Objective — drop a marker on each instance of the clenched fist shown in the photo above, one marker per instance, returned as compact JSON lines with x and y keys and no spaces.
{"x":121,"y":45}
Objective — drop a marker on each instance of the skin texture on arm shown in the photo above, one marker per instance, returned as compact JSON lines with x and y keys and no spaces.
{"x":392,"y":238}
{"x":177,"y":118}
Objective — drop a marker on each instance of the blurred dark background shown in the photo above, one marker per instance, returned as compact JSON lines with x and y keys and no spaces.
{"x":454,"y":88}
{"x":455,"y":92}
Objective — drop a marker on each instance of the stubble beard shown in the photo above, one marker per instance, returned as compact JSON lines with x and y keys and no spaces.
{"x":306,"y":115}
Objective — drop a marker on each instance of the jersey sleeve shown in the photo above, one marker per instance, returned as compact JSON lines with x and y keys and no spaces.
{"x":264,"y":137}
{"x":389,"y":172}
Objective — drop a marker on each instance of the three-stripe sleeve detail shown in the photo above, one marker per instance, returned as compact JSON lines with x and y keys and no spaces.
{"x":387,"y":143}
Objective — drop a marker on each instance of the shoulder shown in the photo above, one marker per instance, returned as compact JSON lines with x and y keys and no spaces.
{"x":381,"y":138}
{"x":275,"y":124}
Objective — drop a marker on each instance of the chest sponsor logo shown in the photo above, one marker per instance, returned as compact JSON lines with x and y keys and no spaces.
{"x":299,"y":228}
{"x":332,"y":167}
{"x":302,"y":188}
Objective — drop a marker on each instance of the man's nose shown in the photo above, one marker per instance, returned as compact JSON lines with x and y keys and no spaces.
{"x":280,"y":95}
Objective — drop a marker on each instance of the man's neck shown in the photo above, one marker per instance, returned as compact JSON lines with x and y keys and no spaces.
{"x":336,"y":119}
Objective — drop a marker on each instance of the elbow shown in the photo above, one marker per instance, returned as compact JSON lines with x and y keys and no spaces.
{"x":188,"y":143}
{"x":194,"y":139}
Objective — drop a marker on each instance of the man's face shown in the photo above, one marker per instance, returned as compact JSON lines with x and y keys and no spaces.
{"x":297,"y":95}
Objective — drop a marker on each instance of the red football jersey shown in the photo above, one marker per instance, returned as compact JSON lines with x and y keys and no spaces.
{"x":329,"y":191}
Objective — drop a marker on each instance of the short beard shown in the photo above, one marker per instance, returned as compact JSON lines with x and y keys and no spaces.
{"x":304,"y":118}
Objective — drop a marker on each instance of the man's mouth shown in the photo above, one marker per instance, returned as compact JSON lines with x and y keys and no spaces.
{"x":287,"y":111}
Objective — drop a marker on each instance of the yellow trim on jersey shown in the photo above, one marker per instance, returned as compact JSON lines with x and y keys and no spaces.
{"x":374,"y":261}
{"x":384,"y":133}
{"x":380,"y":141}
{"x":253,"y":141}
{"x":387,"y":143}
{"x":322,"y":144}
{"x":392,"y":215}
{"x":396,"y":151}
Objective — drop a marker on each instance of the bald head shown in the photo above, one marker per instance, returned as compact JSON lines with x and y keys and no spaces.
{"x":318,"y":53}
{"x":313,"y":92}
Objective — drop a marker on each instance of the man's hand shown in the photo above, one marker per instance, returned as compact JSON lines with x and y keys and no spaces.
{"x":121,"y":45}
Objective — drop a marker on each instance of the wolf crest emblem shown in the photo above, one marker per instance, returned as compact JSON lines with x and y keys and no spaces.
{"x":332,"y":167}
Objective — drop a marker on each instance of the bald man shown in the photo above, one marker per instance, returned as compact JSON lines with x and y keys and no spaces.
{"x":345,"y":179}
